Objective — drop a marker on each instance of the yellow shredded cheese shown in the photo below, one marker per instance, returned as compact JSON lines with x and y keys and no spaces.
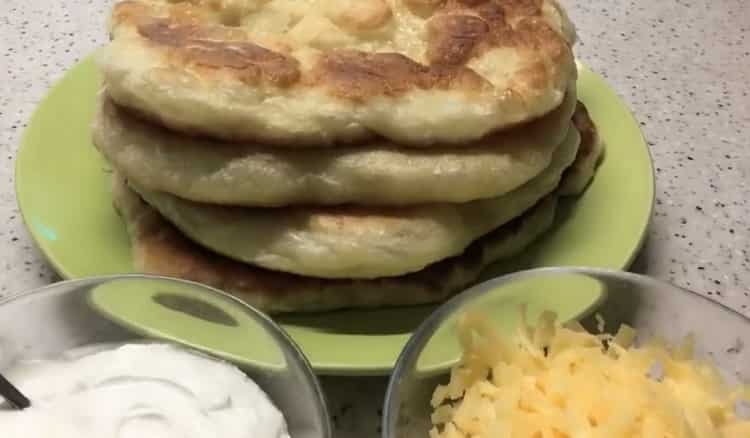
{"x":563,"y":382}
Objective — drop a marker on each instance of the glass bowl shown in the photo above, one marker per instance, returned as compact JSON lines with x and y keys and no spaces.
{"x":46,"y":322}
{"x":651,"y":306}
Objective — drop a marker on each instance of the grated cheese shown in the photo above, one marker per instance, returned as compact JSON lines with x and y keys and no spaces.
{"x":563,"y":382}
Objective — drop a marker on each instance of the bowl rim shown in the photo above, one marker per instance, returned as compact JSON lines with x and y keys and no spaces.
{"x":297,"y":353}
{"x":428,"y":326}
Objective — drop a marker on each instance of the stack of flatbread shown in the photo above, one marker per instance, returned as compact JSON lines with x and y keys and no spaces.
{"x":308,"y":155}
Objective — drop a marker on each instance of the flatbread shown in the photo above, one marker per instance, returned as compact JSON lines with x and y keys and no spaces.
{"x":159,"y":248}
{"x":353,"y":241}
{"x":380,"y":173}
{"x":300,"y":73}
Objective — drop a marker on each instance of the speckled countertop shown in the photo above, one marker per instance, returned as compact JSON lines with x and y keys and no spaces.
{"x":682,"y":66}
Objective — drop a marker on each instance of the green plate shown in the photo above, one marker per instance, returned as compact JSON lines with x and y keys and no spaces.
{"x":62,"y":186}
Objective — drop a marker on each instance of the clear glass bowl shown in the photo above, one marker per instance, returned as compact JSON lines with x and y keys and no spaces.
{"x":48,"y":321}
{"x":651,"y":306}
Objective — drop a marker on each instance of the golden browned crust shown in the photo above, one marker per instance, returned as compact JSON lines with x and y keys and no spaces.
{"x":359,"y":75}
{"x":465,"y":29}
{"x":191,"y":44}
{"x":453,"y":38}
{"x":456,"y":32}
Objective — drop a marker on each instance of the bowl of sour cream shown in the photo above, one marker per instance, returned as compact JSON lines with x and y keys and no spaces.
{"x":143,"y":356}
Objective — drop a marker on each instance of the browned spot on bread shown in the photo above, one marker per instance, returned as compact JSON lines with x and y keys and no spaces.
{"x":465,"y":29}
{"x":515,"y":23}
{"x":129,"y":11}
{"x":168,"y":34}
{"x":421,"y":3}
{"x":512,"y":9}
{"x":423,"y":8}
{"x":492,"y":13}
{"x":522,"y":8}
{"x":358,"y":75}
{"x":192,"y":43}
{"x":452,"y":38}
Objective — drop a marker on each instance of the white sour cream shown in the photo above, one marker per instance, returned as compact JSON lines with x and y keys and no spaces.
{"x":139,"y":391}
